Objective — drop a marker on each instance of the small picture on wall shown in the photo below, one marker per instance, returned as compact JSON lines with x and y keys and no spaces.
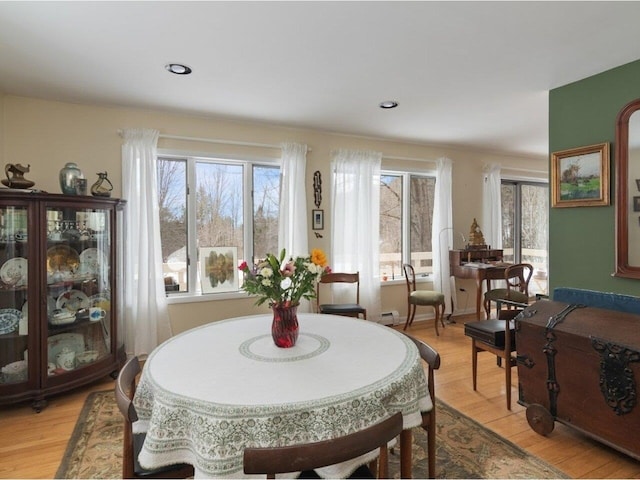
{"x":636,"y":204}
{"x":318,"y":219}
{"x":638,"y":184}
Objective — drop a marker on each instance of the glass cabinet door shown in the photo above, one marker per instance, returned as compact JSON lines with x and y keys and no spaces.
{"x":14,"y":328}
{"x":78,"y":288}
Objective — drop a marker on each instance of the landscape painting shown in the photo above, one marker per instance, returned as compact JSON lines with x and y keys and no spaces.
{"x":580,"y":176}
{"x":218,"y":269}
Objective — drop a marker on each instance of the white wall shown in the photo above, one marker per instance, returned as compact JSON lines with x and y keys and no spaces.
{"x":48,"y":134}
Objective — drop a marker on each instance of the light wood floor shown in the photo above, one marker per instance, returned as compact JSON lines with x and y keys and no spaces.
{"x":32,"y":445}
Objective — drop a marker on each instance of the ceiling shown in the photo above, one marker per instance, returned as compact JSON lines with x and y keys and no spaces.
{"x":468,"y":74}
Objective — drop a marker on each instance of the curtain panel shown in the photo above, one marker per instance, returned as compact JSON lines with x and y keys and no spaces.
{"x":492,"y":206}
{"x":442,"y":231}
{"x":355,"y":212}
{"x":146,"y":318}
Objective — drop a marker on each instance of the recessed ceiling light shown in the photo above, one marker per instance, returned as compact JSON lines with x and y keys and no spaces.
{"x":178,"y":68}
{"x":388,"y":104}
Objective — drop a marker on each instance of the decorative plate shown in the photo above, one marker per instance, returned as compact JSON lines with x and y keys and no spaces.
{"x":15,"y":271}
{"x":102,"y":300}
{"x":56,"y":343}
{"x":62,"y":258}
{"x":72,"y":300}
{"x":9,"y":319}
{"x":92,"y":261}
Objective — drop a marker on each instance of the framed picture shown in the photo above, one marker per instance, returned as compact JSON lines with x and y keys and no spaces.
{"x":218,"y":269}
{"x":638,"y":184}
{"x":580,"y":177}
{"x":318,"y":219}
{"x":636,"y":204}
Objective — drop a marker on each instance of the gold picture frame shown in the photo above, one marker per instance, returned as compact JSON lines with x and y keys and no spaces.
{"x":580,"y":177}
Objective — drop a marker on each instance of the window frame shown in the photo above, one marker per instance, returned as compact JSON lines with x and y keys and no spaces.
{"x":405,"y":254}
{"x":194,"y":292}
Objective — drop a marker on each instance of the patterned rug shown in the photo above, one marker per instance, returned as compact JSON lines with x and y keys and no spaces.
{"x":465,"y":449}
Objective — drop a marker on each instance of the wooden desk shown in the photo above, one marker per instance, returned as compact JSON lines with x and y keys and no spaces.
{"x":479,"y":265}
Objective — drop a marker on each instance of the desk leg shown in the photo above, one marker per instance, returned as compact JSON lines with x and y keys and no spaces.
{"x":405,"y":453}
{"x":478,"y":297}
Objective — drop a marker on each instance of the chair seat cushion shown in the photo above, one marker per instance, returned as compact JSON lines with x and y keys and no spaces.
{"x":138,"y":440}
{"x":426,"y":297}
{"x":341,"y":308}
{"x":490,"y":332}
{"x":503,"y":293}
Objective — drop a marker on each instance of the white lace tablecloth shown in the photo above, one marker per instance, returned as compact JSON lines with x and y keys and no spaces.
{"x":208,"y":393}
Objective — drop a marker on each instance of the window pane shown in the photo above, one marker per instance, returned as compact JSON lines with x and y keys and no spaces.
{"x":390,"y":226}
{"x":219,"y":206}
{"x":535,"y":201}
{"x":266,"y":202}
{"x":508,"y":195}
{"x":172,"y":198}
{"x":421,"y":212}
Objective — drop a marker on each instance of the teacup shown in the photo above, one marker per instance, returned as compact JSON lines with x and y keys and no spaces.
{"x":96,"y":313}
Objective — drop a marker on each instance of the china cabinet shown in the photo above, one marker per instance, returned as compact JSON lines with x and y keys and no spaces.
{"x":60,"y":264}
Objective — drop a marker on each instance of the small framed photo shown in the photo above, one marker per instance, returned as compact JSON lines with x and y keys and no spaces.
{"x":580,"y":176}
{"x":638,"y":184}
{"x":218,"y":269}
{"x":318,"y":219}
{"x":636,"y":204}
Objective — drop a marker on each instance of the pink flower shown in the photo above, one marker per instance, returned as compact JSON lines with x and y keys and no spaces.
{"x":242,"y":266}
{"x":288,"y":270}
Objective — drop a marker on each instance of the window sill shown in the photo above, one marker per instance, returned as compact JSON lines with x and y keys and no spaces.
{"x":210,"y":297}
{"x":401,"y":280}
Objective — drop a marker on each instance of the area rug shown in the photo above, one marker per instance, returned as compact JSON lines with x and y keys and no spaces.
{"x":464,"y":448}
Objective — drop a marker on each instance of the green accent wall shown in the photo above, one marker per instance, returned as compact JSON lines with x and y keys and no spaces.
{"x":582,"y":239}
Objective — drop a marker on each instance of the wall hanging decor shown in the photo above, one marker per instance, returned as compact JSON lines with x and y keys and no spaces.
{"x":580,"y":176}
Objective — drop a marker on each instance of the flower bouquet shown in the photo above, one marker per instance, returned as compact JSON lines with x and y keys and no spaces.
{"x":283,"y":282}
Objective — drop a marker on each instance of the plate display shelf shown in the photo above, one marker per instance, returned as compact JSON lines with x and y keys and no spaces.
{"x":60,"y":297}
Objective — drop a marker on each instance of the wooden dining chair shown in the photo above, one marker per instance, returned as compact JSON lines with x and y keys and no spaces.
{"x":125,"y":388}
{"x":496,"y":336}
{"x":432,"y":359}
{"x":309,"y":456}
{"x":347,"y":309}
{"x":415,"y":297}
{"x":516,"y":288}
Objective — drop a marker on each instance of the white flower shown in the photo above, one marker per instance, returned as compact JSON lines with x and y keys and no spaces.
{"x":285,"y":283}
{"x":266,"y":282}
{"x":266,"y":272}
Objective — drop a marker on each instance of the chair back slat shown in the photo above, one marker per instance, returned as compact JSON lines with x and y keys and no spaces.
{"x":294,"y":458}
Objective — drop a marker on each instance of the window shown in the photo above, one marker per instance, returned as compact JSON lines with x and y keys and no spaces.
{"x":406,"y":216}
{"x":525,"y":233}
{"x":209,"y":219}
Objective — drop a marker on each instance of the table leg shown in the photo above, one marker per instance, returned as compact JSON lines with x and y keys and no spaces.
{"x":478,"y":297}
{"x":405,"y":453}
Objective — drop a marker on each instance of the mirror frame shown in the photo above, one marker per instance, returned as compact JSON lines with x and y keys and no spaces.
{"x":623,"y":269}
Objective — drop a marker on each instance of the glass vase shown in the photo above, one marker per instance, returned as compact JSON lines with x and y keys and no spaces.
{"x":284,"y":328}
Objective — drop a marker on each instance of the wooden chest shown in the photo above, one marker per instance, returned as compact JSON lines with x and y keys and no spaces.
{"x":581,"y":366}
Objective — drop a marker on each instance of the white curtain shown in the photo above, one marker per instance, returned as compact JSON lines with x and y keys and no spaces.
{"x":492,"y":206}
{"x":292,"y":224}
{"x":355,"y":211}
{"x":146,"y":318}
{"x":442,"y":231}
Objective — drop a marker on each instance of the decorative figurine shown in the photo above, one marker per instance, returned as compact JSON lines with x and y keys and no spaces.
{"x":17,"y":179}
{"x":476,"y":239}
{"x":68,"y":176}
{"x":103,"y":187}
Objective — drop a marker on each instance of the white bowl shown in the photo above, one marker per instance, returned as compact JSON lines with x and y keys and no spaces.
{"x":63,"y":319}
{"x":88,"y":356}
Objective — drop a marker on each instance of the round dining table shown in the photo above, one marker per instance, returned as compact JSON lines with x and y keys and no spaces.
{"x":207,"y":394}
